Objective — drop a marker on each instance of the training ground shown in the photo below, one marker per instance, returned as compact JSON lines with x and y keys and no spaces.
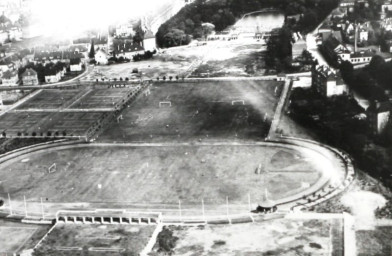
{"x":206,"y":149}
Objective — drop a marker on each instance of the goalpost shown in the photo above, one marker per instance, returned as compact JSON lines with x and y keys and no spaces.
{"x":163,"y":103}
{"x":233,"y":102}
{"x":52,"y":168}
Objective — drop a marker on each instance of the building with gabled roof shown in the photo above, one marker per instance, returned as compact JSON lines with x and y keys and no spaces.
{"x":29,"y":77}
{"x":149,"y":41}
{"x":10,"y":78}
{"x":127,"y":50}
{"x":328,"y":82}
{"x":75,"y":65}
{"x":378,"y":115}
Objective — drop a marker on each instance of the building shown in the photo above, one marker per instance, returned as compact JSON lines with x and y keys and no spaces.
{"x":363,"y":35}
{"x":378,"y":115}
{"x":10,"y":78}
{"x":75,"y":65}
{"x":128,"y":50}
{"x":101,"y":57}
{"x":361,"y":57}
{"x":298,"y":47}
{"x":149,"y":41}
{"x":29,"y":77}
{"x":53,"y":76}
{"x":386,"y":7}
{"x":328,"y":82}
{"x":124,"y":30}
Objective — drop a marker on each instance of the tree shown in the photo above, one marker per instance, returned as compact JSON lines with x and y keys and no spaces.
{"x":208,"y":28}
{"x":91,"y":54}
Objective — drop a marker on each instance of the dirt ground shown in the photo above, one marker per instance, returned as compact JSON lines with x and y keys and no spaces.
{"x":222,"y":59}
{"x":199,"y":111}
{"x":277,"y":237}
{"x":75,"y":239}
{"x":160,"y":174}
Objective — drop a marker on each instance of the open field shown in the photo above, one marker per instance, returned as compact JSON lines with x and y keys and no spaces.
{"x":374,"y":242}
{"x":50,"y":99}
{"x":281,"y":237}
{"x":48,"y":124}
{"x":15,"y":237}
{"x":96,"y":240}
{"x":218,"y":55}
{"x":199,"y":111}
{"x":234,"y":62}
{"x":62,"y":113}
{"x":163,"y":174}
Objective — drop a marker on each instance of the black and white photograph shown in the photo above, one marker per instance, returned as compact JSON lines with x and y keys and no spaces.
{"x":196,"y":128}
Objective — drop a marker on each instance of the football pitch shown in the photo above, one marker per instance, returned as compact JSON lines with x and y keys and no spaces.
{"x":213,"y":111}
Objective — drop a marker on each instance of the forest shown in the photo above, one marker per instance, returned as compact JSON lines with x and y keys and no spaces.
{"x":187,"y":23}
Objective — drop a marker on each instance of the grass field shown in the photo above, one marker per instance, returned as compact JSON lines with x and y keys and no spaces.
{"x":15,"y":237}
{"x":160,"y":174}
{"x":96,"y":240}
{"x":199,"y":111}
{"x":281,"y":237}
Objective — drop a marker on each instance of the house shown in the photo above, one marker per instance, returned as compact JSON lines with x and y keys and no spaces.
{"x":347,"y":3}
{"x":75,"y":65}
{"x":361,"y":57}
{"x":3,"y":36}
{"x":127,"y":50}
{"x":53,"y":75}
{"x":10,"y":78}
{"x":378,"y":115}
{"x":327,"y":82}
{"x":124,"y":30}
{"x":386,"y":7}
{"x":363,"y":35}
{"x":101,"y":57}
{"x":5,"y":65}
{"x":334,"y":49}
{"x":149,"y":41}
{"x":298,"y":47}
{"x":15,"y":33}
{"x":29,"y":77}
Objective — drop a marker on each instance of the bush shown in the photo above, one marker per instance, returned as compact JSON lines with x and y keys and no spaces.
{"x":166,"y":240}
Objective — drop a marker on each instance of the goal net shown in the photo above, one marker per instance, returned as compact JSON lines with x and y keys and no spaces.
{"x":165,"y":103}
{"x":238,"y":102}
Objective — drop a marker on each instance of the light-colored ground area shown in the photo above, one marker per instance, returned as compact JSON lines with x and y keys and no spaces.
{"x":221,"y":57}
{"x":162,"y":174}
{"x":199,"y":111}
{"x":231,"y":59}
{"x":87,"y":239}
{"x":275,"y":237}
{"x":15,"y":237}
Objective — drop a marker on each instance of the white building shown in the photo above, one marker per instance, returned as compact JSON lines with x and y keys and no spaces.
{"x":149,"y":41}
{"x":75,"y":65}
{"x":10,"y":78}
{"x":125,"y":30}
{"x":327,"y":82}
{"x":101,"y":57}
